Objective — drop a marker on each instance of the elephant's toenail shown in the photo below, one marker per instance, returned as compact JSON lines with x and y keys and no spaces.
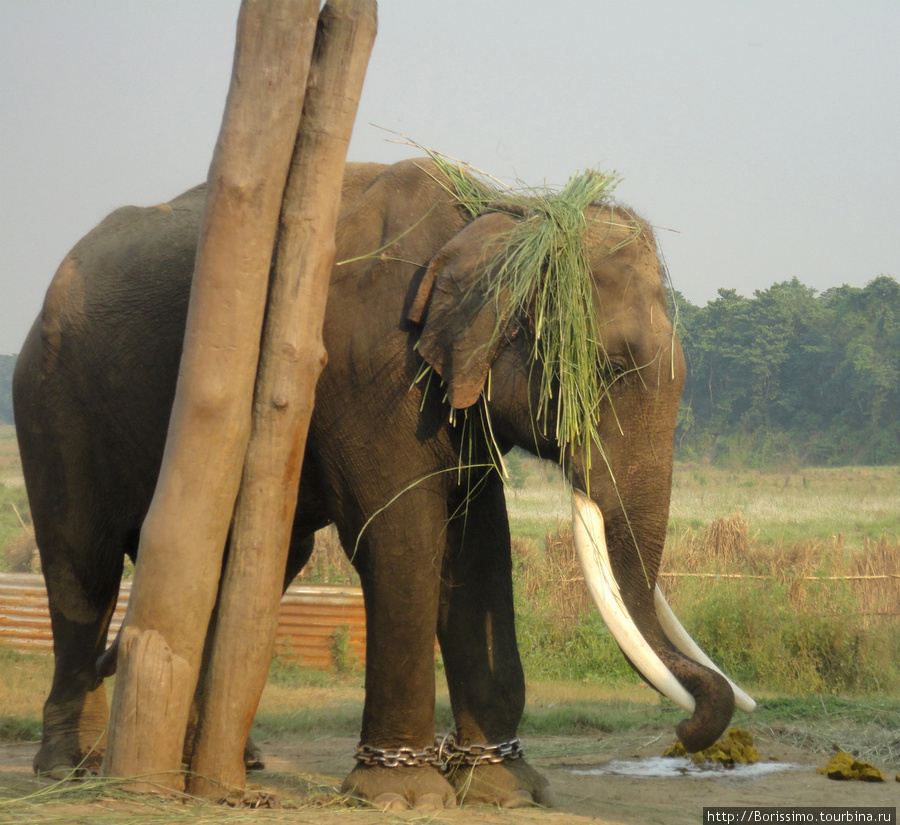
{"x":519,"y":799}
{"x":390,"y":802}
{"x":429,"y":802}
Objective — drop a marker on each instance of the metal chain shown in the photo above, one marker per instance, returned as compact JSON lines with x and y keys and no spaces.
{"x":405,"y":757}
{"x":446,"y":755}
{"x":453,"y":755}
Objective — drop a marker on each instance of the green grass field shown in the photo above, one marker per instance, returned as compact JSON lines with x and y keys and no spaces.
{"x":814,"y":504}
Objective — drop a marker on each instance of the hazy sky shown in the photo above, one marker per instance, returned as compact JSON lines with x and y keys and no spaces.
{"x":763,"y":138}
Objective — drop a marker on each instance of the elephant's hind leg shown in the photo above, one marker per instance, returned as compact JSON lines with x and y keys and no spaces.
{"x":76,"y":711}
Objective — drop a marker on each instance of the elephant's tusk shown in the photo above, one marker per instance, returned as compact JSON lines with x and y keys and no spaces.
{"x":590,"y":544}
{"x":679,"y":637}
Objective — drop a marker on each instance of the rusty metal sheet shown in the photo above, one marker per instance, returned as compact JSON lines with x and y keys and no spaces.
{"x":315,"y":622}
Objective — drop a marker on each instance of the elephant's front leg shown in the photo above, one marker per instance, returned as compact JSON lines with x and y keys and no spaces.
{"x":398,"y":559}
{"x":484,"y":673}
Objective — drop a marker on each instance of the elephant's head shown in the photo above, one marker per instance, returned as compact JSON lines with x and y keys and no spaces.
{"x":584,"y":367}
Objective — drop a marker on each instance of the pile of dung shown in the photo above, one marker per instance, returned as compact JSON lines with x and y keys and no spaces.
{"x":735,"y":747}
{"x":844,"y":766}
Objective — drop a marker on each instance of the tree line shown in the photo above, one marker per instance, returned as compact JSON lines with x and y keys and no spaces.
{"x":789,"y":376}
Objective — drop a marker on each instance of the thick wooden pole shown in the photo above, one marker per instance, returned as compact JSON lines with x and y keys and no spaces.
{"x":290,"y":363}
{"x":183,"y":536}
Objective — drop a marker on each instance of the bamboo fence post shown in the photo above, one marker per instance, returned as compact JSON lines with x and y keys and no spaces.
{"x":291,"y":361}
{"x":183,"y":536}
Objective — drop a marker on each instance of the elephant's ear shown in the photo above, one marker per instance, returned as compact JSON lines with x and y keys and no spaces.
{"x":464,"y":325}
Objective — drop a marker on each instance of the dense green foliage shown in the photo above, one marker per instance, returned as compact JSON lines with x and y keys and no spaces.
{"x":7,"y":362}
{"x":789,"y":376}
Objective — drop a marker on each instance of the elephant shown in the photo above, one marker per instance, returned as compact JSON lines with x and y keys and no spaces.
{"x":431,"y":378}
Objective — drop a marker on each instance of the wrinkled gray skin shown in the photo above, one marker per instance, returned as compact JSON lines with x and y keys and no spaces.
{"x":93,"y":389}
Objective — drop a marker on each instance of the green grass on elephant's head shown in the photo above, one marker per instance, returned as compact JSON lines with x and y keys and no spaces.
{"x":542,"y":268}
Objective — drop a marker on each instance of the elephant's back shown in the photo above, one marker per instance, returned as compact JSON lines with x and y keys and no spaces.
{"x":134,"y":267}
{"x":96,"y":375}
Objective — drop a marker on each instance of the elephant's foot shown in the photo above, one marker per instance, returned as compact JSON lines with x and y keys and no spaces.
{"x":74,"y":736}
{"x":401,"y":788}
{"x":510,"y":784}
{"x":63,"y":757}
{"x":253,"y":758}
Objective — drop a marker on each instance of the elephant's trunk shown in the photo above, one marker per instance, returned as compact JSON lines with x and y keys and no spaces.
{"x":653,"y":640}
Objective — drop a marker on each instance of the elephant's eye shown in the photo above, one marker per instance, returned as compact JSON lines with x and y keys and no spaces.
{"x":616,"y":369}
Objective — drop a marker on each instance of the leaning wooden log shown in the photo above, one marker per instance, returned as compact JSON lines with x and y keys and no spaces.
{"x":290,"y":363}
{"x":183,"y":537}
{"x":150,"y":668}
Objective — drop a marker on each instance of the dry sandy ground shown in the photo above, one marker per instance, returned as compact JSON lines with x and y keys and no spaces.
{"x":298,"y":771}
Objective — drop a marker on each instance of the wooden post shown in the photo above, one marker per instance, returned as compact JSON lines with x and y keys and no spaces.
{"x":290,"y":364}
{"x":183,"y":536}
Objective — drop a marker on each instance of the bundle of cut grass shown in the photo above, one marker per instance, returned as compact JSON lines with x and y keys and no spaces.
{"x":543,"y":271}
{"x":727,"y":538}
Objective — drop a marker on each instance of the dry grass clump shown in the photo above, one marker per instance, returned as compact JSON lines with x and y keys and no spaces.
{"x":724,"y":541}
{"x":727,"y":539}
{"x":879,"y":558}
{"x":22,"y":553}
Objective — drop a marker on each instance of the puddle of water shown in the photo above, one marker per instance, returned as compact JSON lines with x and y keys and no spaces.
{"x":663,"y":767}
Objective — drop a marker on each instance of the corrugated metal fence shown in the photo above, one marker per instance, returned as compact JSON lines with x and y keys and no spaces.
{"x":323,"y":627}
